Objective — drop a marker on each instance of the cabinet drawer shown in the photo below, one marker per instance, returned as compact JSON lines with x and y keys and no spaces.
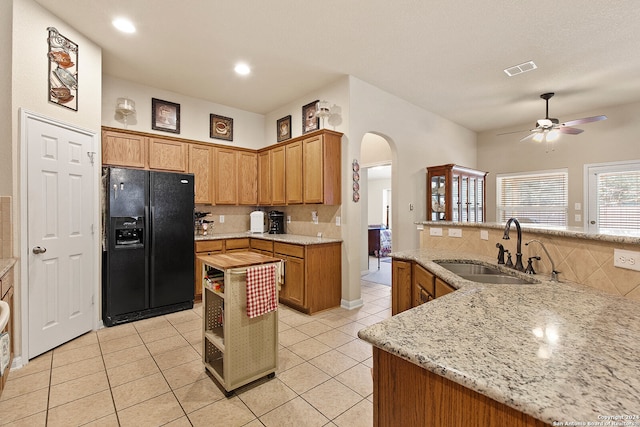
{"x":7,"y":283}
{"x":235,"y":244}
{"x":209,"y":245}
{"x":263,"y":245}
{"x":288,"y":249}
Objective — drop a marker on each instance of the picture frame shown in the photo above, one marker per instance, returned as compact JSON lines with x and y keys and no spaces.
{"x":310,"y":121}
{"x":220,"y":127}
{"x":165,"y":116}
{"x":283,"y":128}
{"x":63,"y":70}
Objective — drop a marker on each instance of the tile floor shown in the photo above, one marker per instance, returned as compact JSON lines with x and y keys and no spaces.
{"x":150,"y":373}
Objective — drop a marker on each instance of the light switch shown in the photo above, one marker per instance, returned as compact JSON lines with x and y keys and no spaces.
{"x":435,"y":231}
{"x":221,"y":221}
{"x":577,"y":206}
{"x":577,"y":217}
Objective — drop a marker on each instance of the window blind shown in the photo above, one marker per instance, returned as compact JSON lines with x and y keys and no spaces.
{"x":536,"y":197}
{"x":619,"y":200}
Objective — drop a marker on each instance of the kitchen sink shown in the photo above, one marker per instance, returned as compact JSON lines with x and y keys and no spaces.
{"x":485,"y":274}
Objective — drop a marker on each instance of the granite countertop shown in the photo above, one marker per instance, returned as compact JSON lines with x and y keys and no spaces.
{"x":5,"y":265}
{"x":559,"y":352}
{"x":613,"y":236}
{"x":285,"y":238}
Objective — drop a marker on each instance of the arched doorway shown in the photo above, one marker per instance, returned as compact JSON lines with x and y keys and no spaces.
{"x":377,"y":208}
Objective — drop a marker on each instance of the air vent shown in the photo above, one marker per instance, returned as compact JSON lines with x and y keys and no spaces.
{"x":520,"y":68}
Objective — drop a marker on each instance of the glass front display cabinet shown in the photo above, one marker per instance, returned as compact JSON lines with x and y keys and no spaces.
{"x":455,"y":193}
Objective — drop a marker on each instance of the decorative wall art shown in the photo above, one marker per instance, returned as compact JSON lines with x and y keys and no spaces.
{"x":310,"y":120}
{"x":221,"y":127}
{"x":355,"y":166}
{"x":283,"y":128}
{"x":165,"y":116}
{"x":63,"y":70}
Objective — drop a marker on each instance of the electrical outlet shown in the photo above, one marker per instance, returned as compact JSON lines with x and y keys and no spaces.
{"x":435,"y":231}
{"x":420,"y":227}
{"x":221,"y":220}
{"x":288,"y":219}
{"x":484,"y":235}
{"x":626,"y":259}
{"x":338,"y":221}
{"x":577,"y":217}
{"x":455,"y":232}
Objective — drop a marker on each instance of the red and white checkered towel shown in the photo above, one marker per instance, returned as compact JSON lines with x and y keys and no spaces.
{"x":261,"y":290}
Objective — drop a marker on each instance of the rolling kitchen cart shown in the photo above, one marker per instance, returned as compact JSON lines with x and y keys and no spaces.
{"x":236,"y":349}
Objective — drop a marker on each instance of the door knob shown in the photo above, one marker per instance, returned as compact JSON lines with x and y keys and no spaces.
{"x":39,"y":250}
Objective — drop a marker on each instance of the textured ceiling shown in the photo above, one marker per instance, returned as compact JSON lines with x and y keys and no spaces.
{"x":446,"y":57}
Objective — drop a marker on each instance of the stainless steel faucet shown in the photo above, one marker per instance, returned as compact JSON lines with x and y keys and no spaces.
{"x":554,"y":273}
{"x":518,"y":265}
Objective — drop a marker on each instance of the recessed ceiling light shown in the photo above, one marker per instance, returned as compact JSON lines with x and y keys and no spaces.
{"x":520,"y":68}
{"x":242,"y":69}
{"x":124,"y":25}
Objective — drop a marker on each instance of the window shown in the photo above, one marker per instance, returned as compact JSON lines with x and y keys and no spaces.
{"x":533,"y":197}
{"x":613,"y":195}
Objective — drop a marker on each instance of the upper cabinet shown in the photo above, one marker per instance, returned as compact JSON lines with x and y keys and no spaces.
{"x":322,"y":169}
{"x":201,"y":166}
{"x":264,"y":177}
{"x":278,"y":183}
{"x":124,"y":149}
{"x":247,"y":178}
{"x":293,"y":172}
{"x":226,"y":176}
{"x":167,"y":154}
{"x":455,"y":193}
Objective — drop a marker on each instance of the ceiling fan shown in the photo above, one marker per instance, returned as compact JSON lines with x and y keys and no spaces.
{"x":549,"y":129}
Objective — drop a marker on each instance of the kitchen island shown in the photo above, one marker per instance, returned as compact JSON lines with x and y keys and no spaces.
{"x":556,"y":352}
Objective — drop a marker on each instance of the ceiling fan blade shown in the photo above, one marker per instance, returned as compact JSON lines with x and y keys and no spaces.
{"x":584,"y":120}
{"x":569,"y":130}
{"x":528,"y":137}
{"x":515,"y":131}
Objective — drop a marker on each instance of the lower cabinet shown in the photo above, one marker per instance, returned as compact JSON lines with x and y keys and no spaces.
{"x":412,"y":285}
{"x":204,"y":247}
{"x":405,"y":394}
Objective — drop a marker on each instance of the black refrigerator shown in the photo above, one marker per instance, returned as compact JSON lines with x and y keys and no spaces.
{"x":148,"y":255}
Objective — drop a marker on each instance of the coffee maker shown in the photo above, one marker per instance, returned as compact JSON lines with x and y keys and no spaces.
{"x":276,"y":222}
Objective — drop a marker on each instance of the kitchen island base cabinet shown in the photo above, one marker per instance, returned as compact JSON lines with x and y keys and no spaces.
{"x":236,"y":349}
{"x":404,"y":394}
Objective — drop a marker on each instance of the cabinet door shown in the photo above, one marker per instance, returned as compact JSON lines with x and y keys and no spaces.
{"x":166,"y":154}
{"x":293,"y":289}
{"x":293,"y":173}
{"x":121,"y":149}
{"x":200,"y":165}
{"x":278,"y":185}
{"x":264,"y":178}
{"x":423,"y":285}
{"x":226,"y":181}
{"x":247,"y":178}
{"x":312,"y":168}
{"x":401,"y":295}
{"x":442,"y":288}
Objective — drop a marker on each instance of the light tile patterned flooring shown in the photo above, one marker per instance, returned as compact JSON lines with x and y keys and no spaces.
{"x":150,"y":373}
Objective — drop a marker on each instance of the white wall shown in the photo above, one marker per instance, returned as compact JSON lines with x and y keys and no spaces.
{"x":6,"y":160}
{"x":418,"y":138}
{"x":248,"y":128}
{"x":610,"y":140}
{"x":29,"y":82}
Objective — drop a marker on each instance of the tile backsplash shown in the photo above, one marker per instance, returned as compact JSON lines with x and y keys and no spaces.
{"x":236,"y":219}
{"x":588,"y":262}
{"x":6,"y":247}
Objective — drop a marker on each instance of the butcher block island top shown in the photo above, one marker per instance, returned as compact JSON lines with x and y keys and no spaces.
{"x":558,"y":352}
{"x":236,"y":260}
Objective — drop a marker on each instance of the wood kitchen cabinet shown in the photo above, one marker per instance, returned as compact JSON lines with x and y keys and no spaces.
{"x":6,"y":292}
{"x":293,"y":173}
{"x":167,"y":155}
{"x":322,"y":168}
{"x":401,"y":286}
{"x":264,"y":247}
{"x":201,"y":166}
{"x":204,"y":247}
{"x":264,"y":178}
{"x":455,"y":193}
{"x":226,"y":176}
{"x":423,"y":285}
{"x":278,"y":183}
{"x":247,"y":178}
{"x":405,"y":394}
{"x":124,"y":149}
{"x":236,"y":245}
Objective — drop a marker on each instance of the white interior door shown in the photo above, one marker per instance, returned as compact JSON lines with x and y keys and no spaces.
{"x":61,"y":245}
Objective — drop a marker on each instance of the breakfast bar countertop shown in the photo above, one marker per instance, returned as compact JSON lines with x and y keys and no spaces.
{"x":559,"y":352}
{"x":284,"y":238}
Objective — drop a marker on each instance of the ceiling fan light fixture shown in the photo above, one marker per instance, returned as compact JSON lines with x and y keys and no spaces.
{"x":538,"y":137}
{"x":553,"y":135}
